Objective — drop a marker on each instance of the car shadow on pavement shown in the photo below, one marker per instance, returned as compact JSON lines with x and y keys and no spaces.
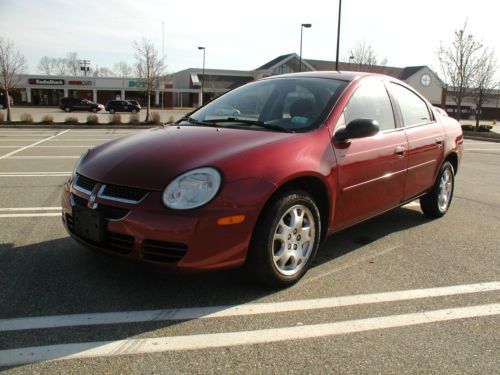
{"x":367,"y":232}
{"x":60,"y":277}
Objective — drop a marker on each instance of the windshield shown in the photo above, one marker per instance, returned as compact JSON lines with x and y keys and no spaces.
{"x":286,"y":104}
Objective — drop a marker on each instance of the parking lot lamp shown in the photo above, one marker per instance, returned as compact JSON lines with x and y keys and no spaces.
{"x":306,"y":25}
{"x":338,"y":38}
{"x":203,"y":73}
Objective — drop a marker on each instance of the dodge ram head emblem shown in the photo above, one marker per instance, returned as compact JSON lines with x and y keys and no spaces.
{"x":91,"y":203}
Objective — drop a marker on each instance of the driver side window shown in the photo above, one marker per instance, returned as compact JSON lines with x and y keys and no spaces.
{"x":370,"y":101}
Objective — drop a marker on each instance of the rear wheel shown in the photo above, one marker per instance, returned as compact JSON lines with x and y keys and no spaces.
{"x":67,"y":109}
{"x":437,"y":201}
{"x":111,"y":111}
{"x":94,"y":110}
{"x":134,"y":111}
{"x":285,"y":240}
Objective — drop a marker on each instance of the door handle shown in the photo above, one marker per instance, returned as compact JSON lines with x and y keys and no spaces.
{"x":400,"y":150}
{"x":439,"y":141}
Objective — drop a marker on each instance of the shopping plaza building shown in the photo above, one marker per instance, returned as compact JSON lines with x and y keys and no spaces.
{"x":183,"y":89}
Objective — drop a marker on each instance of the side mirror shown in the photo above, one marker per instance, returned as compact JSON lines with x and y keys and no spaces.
{"x":359,"y":128}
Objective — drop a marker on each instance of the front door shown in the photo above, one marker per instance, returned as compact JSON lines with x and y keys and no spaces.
{"x":371,"y":170}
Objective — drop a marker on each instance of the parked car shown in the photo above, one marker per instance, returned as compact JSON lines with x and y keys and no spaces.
{"x":122,"y":106}
{"x":134,"y":102}
{"x":322,"y":151}
{"x":77,"y":104}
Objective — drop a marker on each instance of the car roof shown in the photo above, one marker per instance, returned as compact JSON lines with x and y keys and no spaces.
{"x":344,"y":76}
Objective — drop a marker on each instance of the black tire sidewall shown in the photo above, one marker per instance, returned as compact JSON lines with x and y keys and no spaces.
{"x":261,"y":255}
{"x":429,"y":202}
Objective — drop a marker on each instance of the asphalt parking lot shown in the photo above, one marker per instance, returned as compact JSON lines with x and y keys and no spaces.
{"x":397,"y":294}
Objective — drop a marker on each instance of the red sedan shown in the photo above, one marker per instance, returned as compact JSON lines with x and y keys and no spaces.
{"x":300,"y":157}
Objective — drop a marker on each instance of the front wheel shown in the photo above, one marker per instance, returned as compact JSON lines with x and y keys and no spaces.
{"x":134,"y":111}
{"x":67,"y":109}
{"x":437,"y":201}
{"x":285,"y":240}
{"x":111,"y":111}
{"x":94,"y":110}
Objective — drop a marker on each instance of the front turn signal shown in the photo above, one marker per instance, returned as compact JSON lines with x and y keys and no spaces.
{"x":230,"y":220}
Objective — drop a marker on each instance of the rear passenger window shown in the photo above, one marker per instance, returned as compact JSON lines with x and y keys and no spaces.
{"x":371,"y":101}
{"x":413,"y":108}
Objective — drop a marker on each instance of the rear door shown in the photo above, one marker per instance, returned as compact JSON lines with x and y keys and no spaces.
{"x":371,"y":170}
{"x":425,"y":140}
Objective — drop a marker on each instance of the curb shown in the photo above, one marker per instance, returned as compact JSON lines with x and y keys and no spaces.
{"x":486,"y":139}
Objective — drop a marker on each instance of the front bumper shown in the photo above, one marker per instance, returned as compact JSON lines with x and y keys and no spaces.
{"x":187,"y":240}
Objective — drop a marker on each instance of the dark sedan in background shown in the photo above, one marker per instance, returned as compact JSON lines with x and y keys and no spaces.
{"x":122,"y":106}
{"x":77,"y":104}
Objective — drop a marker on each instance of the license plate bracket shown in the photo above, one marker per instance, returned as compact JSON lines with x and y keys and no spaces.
{"x":88,"y":224}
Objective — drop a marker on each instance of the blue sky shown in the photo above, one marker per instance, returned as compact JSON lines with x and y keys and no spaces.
{"x":241,"y":35}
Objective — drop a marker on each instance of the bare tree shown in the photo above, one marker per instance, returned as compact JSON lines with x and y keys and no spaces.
{"x":459,"y":62}
{"x":103,"y":72}
{"x":47,"y":65}
{"x":122,"y":69}
{"x":363,"y":55}
{"x":149,"y":67}
{"x":72,"y":64}
{"x":12,"y":66}
{"x":483,"y":80}
{"x":60,"y":66}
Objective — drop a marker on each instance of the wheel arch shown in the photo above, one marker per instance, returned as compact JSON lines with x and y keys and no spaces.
{"x":316,"y":188}
{"x":452,"y":157}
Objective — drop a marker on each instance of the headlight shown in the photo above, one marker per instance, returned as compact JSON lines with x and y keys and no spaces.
{"x":84,"y":155}
{"x":192,"y":189}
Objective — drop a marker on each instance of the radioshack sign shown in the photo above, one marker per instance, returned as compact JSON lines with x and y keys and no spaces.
{"x":46,"y":82}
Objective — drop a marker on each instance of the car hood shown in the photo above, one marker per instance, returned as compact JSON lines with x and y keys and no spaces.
{"x":151,"y":158}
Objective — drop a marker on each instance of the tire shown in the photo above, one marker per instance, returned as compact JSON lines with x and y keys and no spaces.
{"x":437,"y":201}
{"x":67,"y":109}
{"x":111,"y":111}
{"x":134,"y":111}
{"x":94,"y":110}
{"x":281,"y":252}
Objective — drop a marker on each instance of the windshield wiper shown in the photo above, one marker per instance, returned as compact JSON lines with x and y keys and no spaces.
{"x":196,"y":122}
{"x":261,"y":124}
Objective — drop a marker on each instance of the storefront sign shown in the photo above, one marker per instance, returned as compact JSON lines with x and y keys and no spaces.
{"x":136,"y":84}
{"x":80,"y":83}
{"x":44,"y":81}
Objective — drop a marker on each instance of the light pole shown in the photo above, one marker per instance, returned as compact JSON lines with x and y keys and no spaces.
{"x":338,"y":38}
{"x":203,"y":73}
{"x":306,"y":25}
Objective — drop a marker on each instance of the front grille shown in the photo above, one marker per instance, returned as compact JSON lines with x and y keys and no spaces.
{"x":85,"y":183}
{"x":110,"y":212}
{"x":161,"y":251}
{"x":123,"y":192}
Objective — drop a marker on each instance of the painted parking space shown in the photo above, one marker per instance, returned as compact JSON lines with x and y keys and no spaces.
{"x":398,"y":274}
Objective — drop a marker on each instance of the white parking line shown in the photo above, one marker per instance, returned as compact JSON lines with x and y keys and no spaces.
{"x":15,"y":209}
{"x":28,"y":157}
{"x":34,"y":144}
{"x":237,"y":310}
{"x":12,"y":357}
{"x":10,"y":216}
{"x":55,"y":146}
{"x":482,"y":149}
{"x":35,"y":174}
